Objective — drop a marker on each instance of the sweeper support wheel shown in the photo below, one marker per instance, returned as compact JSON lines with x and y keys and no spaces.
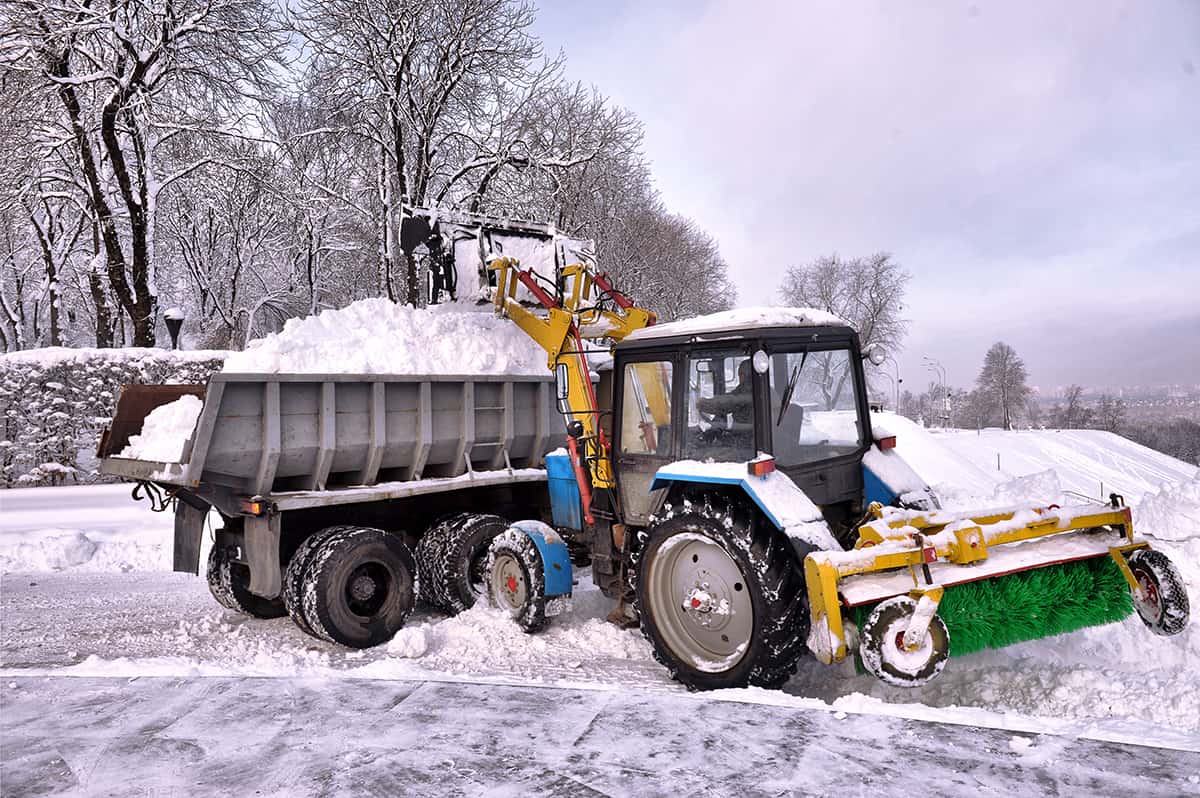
{"x":1160,"y":598}
{"x":883,"y":651}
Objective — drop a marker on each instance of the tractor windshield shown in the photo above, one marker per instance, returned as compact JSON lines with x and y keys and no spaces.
{"x":814,"y":406}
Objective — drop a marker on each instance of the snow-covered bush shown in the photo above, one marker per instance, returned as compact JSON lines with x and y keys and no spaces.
{"x":54,"y":404}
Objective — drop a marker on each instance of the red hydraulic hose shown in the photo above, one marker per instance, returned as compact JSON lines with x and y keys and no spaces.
{"x":581,"y":477}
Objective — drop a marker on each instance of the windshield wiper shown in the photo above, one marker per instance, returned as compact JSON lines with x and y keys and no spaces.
{"x":791,"y":388}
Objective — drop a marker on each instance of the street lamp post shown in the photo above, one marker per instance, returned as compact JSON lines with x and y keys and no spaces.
{"x":940,"y":370}
{"x":896,"y":381}
{"x":174,"y":318}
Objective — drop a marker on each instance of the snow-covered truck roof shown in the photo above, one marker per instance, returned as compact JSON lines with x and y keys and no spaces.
{"x":740,"y":319}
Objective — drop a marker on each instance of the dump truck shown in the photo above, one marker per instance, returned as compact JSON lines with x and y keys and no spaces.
{"x":723,"y":478}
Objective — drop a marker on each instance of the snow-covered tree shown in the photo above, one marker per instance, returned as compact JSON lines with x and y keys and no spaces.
{"x":129,"y":77}
{"x":1002,"y":385}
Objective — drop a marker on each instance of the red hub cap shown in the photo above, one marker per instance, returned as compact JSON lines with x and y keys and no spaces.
{"x":511,"y":584}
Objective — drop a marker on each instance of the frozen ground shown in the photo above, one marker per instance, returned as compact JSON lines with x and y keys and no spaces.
{"x":322,"y":736}
{"x":93,"y":626}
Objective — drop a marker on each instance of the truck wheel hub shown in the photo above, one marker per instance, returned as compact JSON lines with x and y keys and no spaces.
{"x":362,"y":588}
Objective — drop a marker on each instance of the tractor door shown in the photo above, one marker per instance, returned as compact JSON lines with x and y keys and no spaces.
{"x":818,"y":417}
{"x":644,"y":422}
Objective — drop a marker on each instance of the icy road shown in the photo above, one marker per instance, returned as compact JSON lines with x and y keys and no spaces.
{"x":119,"y":678}
{"x":123,"y":684}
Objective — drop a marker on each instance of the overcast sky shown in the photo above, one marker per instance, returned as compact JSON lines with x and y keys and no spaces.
{"x":1036,"y":167}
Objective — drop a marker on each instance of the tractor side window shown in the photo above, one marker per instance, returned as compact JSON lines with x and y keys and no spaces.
{"x":814,"y":406}
{"x":646,"y":408}
{"x":720,"y":409}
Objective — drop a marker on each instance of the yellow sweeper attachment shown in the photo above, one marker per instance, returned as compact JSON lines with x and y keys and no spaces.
{"x":919,"y":586}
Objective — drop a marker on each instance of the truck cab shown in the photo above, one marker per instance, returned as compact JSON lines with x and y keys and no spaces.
{"x":728,"y":392}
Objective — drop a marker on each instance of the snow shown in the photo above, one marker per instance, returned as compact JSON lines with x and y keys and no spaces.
{"x":174,"y":314}
{"x":112,"y":611}
{"x":166,"y":431}
{"x":84,"y":528}
{"x":56,"y":355}
{"x":740,"y":319}
{"x":1173,"y":511}
{"x":376,"y":336}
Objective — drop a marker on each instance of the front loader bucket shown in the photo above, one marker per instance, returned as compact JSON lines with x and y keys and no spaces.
{"x":133,"y":405}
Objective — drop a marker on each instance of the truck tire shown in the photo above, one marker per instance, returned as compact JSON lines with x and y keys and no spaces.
{"x":454,"y":565}
{"x":720,"y":596}
{"x":293,"y":576}
{"x":429,"y":553}
{"x":229,"y":583}
{"x":359,"y":587}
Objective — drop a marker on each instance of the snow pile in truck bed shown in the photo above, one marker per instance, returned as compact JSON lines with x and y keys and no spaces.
{"x":376,"y":336}
{"x":165,"y":432}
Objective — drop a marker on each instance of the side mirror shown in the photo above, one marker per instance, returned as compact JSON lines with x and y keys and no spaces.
{"x":703,"y":367}
{"x":876,"y":354}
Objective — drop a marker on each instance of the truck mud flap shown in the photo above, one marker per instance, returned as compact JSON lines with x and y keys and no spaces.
{"x":190,"y":515}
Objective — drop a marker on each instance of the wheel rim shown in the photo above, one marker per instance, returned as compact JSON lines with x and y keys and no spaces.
{"x":700,"y":603}
{"x":508,"y":583}
{"x":900,"y":659}
{"x":1149,"y":603}
{"x":367,"y":589}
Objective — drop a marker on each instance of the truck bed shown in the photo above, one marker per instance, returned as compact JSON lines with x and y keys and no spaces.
{"x":297,"y":434}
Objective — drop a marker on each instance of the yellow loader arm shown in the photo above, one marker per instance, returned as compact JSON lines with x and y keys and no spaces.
{"x":580,"y":316}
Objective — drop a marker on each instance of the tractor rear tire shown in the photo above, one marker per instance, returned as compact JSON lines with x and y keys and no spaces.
{"x":453,"y":558}
{"x":229,"y":583}
{"x":359,"y":587}
{"x":720,"y":596}
{"x":1163,"y":605}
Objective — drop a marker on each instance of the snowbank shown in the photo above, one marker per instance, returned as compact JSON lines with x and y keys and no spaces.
{"x":165,"y":432}
{"x":376,"y":336}
{"x":1172,"y":513}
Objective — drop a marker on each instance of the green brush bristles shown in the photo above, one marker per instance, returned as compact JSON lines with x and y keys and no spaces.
{"x":994,"y":613}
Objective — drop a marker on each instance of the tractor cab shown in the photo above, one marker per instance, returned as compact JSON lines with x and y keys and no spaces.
{"x":728,"y":390}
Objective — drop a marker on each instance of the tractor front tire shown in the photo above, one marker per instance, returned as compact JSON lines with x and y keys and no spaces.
{"x":516,"y":579}
{"x":229,"y":583}
{"x":720,"y":596}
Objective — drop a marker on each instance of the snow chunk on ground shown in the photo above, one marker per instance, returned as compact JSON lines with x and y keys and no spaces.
{"x":411,"y":642}
{"x":741,"y":319}
{"x":1171,"y":513}
{"x":376,"y":336}
{"x":1041,"y":488}
{"x":54,"y":550}
{"x":165,"y":432}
